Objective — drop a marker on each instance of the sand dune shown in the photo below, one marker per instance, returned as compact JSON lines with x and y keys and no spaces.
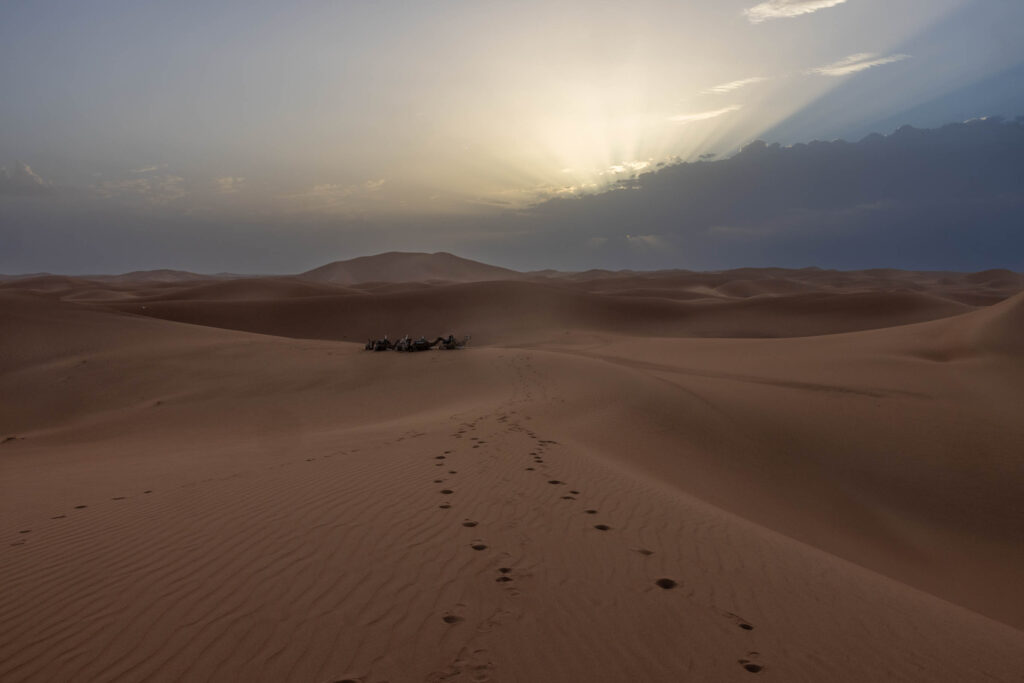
{"x":581,"y":497}
{"x":1001,"y":328}
{"x":248,"y":289}
{"x":408,"y":267}
{"x":501,"y":311}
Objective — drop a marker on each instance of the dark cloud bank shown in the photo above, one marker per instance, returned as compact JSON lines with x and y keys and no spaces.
{"x":948,"y":199}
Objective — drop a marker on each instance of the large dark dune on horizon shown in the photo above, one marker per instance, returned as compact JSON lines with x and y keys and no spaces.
{"x":798,"y":475}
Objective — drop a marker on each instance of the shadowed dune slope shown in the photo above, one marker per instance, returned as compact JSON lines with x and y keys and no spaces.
{"x":249,"y":289}
{"x":495,"y":311}
{"x":906,"y":442}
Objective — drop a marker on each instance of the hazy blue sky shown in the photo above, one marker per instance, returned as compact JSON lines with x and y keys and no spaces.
{"x":274,"y":136}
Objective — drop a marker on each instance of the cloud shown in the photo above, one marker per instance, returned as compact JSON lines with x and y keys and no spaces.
{"x":937,"y":199}
{"x":332,"y":191}
{"x":23,"y":181}
{"x":330,"y":196}
{"x":626,"y":166}
{"x":724,"y":88}
{"x":157,"y":190}
{"x":704,"y":115}
{"x":645,"y":241}
{"x":148,"y":169}
{"x":228,"y":184}
{"x":338,"y":191}
{"x":785,"y":9}
{"x":855,"y":63}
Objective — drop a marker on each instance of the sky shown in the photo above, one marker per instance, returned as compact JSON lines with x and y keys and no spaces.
{"x":264,"y":136}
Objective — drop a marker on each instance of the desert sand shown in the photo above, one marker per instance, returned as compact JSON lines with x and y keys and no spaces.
{"x":763,"y":474}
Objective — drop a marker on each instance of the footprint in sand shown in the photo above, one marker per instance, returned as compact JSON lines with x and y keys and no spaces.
{"x":667,"y":584}
{"x":438,"y":457}
{"x":602,"y":527}
{"x":478,"y":546}
{"x":81,"y":507}
{"x":444,"y":506}
{"x":119,"y":498}
{"x":451,"y":619}
{"x":447,"y":492}
{"x":591,"y":512}
{"x":751,"y":666}
{"x":469,"y":523}
{"x":740,"y":621}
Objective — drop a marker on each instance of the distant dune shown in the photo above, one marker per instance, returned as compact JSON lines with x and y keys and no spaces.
{"x":398,"y":266}
{"x":383,"y":296}
{"x":799,"y":475}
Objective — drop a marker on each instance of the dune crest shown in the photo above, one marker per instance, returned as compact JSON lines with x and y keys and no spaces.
{"x":1002,"y":327}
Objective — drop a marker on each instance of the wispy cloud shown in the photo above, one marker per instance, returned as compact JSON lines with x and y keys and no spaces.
{"x":148,"y":169}
{"x":724,"y":88}
{"x":228,"y":184}
{"x":645,"y":241}
{"x":855,"y":63}
{"x":626,"y":166}
{"x":785,"y":9}
{"x":704,"y":115}
{"x":22,"y":180}
{"x":340,"y":191}
{"x":335,"y":196}
{"x":158,"y":190}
